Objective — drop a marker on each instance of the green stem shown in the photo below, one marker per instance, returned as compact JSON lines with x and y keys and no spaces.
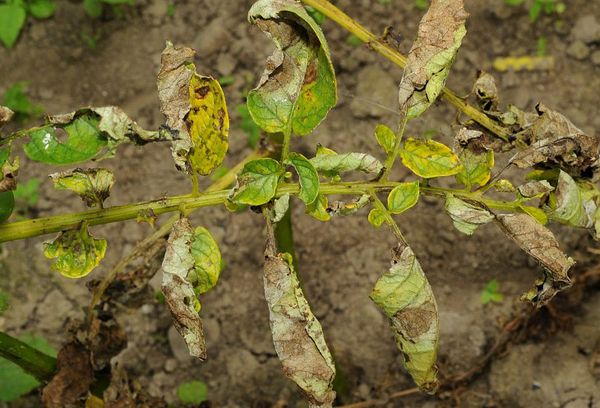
{"x":33,"y":361}
{"x":332,"y":12}
{"x":287,"y":140}
{"x":388,"y":217}
{"x":284,"y":235}
{"x":389,"y":163}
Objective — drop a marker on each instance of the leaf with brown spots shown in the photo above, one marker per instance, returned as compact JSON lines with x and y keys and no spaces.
{"x":195,"y":111}
{"x":440,"y":34}
{"x":297,"y":334}
{"x":404,"y":295}
{"x":298,"y":86}
{"x":539,"y":242}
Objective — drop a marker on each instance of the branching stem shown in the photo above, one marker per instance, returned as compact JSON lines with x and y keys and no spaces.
{"x":389,"y":163}
{"x":388,"y":217}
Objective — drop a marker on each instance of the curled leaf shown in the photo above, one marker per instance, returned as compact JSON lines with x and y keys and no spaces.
{"x":539,"y":242}
{"x":440,"y":34}
{"x":385,"y":137}
{"x":403,"y":197}
{"x":348,"y":208}
{"x":476,"y":159}
{"x":535,"y":189}
{"x":298,"y":87}
{"x":429,"y":159}
{"x":343,"y":162}
{"x":466,"y":217}
{"x":195,"y":111}
{"x":376,"y":217}
{"x":77,"y":253}
{"x":486,"y":91}
{"x":570,"y":207}
{"x":92,"y":185}
{"x":318,"y":209}
{"x":308,"y":176}
{"x":257,"y":182}
{"x":297,"y":334}
{"x":405,"y":296}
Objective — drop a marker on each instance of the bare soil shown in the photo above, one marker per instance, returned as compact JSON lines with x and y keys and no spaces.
{"x":339,"y":261}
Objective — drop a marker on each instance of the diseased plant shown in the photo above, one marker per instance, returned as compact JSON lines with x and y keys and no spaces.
{"x":294,"y":95}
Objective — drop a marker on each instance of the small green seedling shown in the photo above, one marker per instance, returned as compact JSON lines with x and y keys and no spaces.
{"x":491,"y":293}
{"x":193,"y":392}
{"x":94,"y":8}
{"x":538,"y":6}
{"x":13,"y":14}
{"x":16,"y":99}
{"x":27,"y":194}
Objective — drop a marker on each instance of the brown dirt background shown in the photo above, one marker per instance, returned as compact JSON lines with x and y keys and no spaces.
{"x":339,"y":261}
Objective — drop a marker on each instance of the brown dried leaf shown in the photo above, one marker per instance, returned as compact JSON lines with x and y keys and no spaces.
{"x":297,"y":334}
{"x":441,"y":31}
{"x":106,"y":339}
{"x":179,"y":292}
{"x":539,"y":242}
{"x":5,"y":115}
{"x":125,"y":393}
{"x":555,"y":141}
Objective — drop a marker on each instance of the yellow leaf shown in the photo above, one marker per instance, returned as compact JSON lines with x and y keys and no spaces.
{"x":429,"y":159}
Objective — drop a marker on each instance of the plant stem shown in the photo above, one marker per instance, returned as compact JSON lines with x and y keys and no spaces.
{"x":33,"y":361}
{"x":388,"y":217}
{"x":287,"y":139}
{"x":389,"y":163}
{"x":332,"y":12}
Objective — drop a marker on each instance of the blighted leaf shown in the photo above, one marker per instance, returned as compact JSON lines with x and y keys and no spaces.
{"x":77,"y":253}
{"x":385,"y":137}
{"x":348,"y":208}
{"x":257,"y":182}
{"x":476,"y":159}
{"x":376,"y":217}
{"x":92,"y":185}
{"x":324,"y":150}
{"x":195,"y":111}
{"x":8,"y":170}
{"x":179,"y":291}
{"x":297,"y":334}
{"x":405,"y":296}
{"x":207,"y":261}
{"x":555,"y":141}
{"x":440,"y":34}
{"x":429,"y":159}
{"x":504,"y":186}
{"x":308,"y":176}
{"x":280,"y":208}
{"x":341,"y":163}
{"x":569,"y":206}
{"x":535,"y":189}
{"x":539,"y":242}
{"x":84,"y":141}
{"x":318,"y":208}
{"x":466,"y":217}
{"x":403,"y":197}
{"x":6,"y":115}
{"x":486,"y":91}
{"x":298,"y":87}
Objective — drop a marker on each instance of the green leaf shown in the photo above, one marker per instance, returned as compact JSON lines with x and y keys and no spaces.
{"x":537,"y":213}
{"x":77,"y":253}
{"x":193,"y":392}
{"x":439,"y":37}
{"x":569,"y":207}
{"x":84,"y":142}
{"x":12,"y":18}
{"x":16,"y":99}
{"x":248,"y":125}
{"x":376,"y":217}
{"x":476,"y":167}
{"x":385,"y":137}
{"x":466,"y":217}
{"x":4,"y":305}
{"x":28,"y":192}
{"x":298,"y":87}
{"x":257,"y":182}
{"x":93,"y":8}
{"x":429,"y":159}
{"x":318,"y":208}
{"x":92,"y":185}
{"x":403,"y":197}
{"x":308,"y":176}
{"x":405,"y":296}
{"x":297,"y":334}
{"x":14,"y":382}
{"x":7,"y":205}
{"x":491,"y":293}
{"x":42,"y":8}
{"x":207,"y":261}
{"x":316,"y":15}
{"x":341,"y":163}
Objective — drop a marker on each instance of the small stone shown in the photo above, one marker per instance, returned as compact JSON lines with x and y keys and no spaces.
{"x":578,"y":50}
{"x":170,"y":365}
{"x":147,"y":309}
{"x":178,"y":347}
{"x":596,"y":58}
{"x":586,"y":29}
{"x":214,"y":37}
{"x":376,"y":91}
{"x":226,"y":64}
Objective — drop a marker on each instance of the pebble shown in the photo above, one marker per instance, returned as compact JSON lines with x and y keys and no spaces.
{"x":170,"y":365}
{"x":214,"y":37}
{"x":226,"y":64}
{"x":375,"y":87}
{"x":578,"y":50}
{"x":596,"y":58}
{"x":586,"y":29}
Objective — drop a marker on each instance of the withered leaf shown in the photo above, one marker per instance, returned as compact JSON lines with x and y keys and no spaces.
{"x":440,"y":34}
{"x":466,"y":217}
{"x":297,"y":334}
{"x":92,"y":185}
{"x":485,"y":91}
{"x":539,"y":242}
{"x":405,"y":296}
{"x":555,"y":141}
{"x":5,"y":115}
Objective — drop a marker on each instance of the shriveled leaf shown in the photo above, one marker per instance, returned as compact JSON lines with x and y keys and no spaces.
{"x":341,"y":163}
{"x":429,"y":159}
{"x":8,"y":170}
{"x":308,"y":176}
{"x":535,"y":189}
{"x":476,"y":159}
{"x":298,"y":87}
{"x":6,"y":115}
{"x":179,"y":291}
{"x":92,"y":185}
{"x":569,"y":205}
{"x":280,"y":207}
{"x":385,"y":137}
{"x":440,"y":34}
{"x":77,"y":253}
{"x":318,"y":208}
{"x":348,"y":208}
{"x":257,"y":182}
{"x":466,"y":217}
{"x":403,"y":197}
{"x":297,"y":334}
{"x":84,"y":141}
{"x":376,"y":217}
{"x":207,"y":261}
{"x":486,"y":91}
{"x":504,"y":186}
{"x":405,"y":296}
{"x":556,"y":141}
{"x":539,"y":242}
{"x":195,"y":111}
